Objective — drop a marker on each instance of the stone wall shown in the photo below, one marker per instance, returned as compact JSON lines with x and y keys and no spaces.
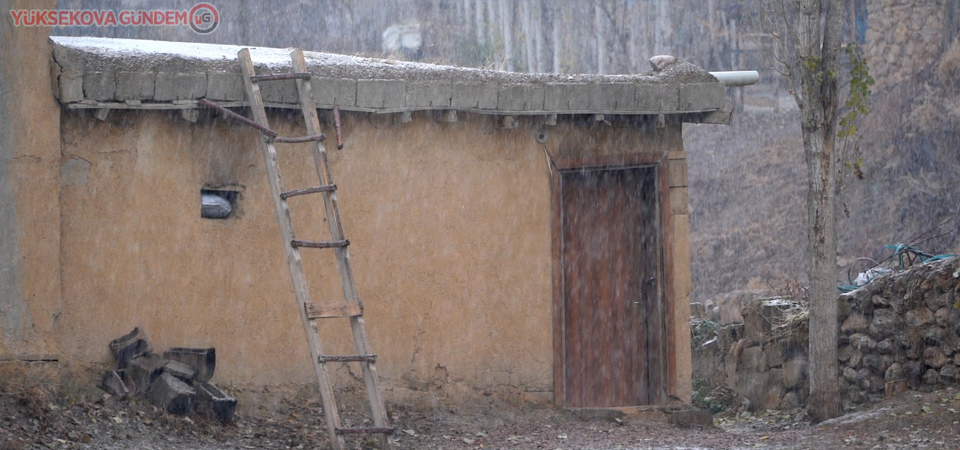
{"x":902,"y":331}
{"x":903,"y":36}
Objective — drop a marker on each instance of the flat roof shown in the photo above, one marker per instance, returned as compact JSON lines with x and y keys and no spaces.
{"x":144,"y":74}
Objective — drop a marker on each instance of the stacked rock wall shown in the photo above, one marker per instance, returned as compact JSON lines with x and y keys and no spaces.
{"x":903,"y":36}
{"x":902,"y":331}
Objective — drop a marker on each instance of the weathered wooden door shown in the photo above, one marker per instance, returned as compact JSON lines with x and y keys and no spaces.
{"x":612,"y":311}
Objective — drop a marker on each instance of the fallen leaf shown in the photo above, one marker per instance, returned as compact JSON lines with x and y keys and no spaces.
{"x":117,"y":419}
{"x":410,"y":432}
{"x":562,"y":436}
{"x":926,"y":409}
{"x":468,"y":441}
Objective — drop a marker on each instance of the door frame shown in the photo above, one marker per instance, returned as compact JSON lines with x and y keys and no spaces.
{"x":657,"y":161}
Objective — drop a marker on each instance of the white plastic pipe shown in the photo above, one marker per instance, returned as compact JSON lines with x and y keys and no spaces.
{"x":735,"y":78}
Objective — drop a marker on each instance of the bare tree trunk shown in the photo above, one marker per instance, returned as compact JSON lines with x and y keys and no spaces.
{"x":658,"y":28}
{"x":633,"y":20}
{"x":712,"y":31}
{"x":818,"y":68}
{"x":478,"y":18}
{"x":490,"y":24}
{"x":599,"y":32}
{"x":506,"y":27}
{"x":537,"y":20}
{"x":557,"y":42}
{"x":526,"y":27}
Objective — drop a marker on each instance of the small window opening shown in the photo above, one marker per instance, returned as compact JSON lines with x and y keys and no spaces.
{"x":217,"y":204}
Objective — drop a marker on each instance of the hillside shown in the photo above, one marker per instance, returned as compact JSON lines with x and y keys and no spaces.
{"x":748,"y":182}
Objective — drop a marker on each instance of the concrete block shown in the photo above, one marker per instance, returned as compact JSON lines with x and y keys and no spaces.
{"x":284,"y":91}
{"x":211,"y":400}
{"x":475,"y":96}
{"x":334,"y":91}
{"x":616,"y":97}
{"x":438,"y":94}
{"x":656,"y":98}
{"x":203,"y":360}
{"x":520,"y":97}
{"x":225,"y":86}
{"x":99,"y":86}
{"x":568,"y":97}
{"x":701,"y":96}
{"x":180,"y":370}
{"x":71,"y":86}
{"x":173,"y":395}
{"x":144,"y":370}
{"x":129,"y":346}
{"x":112,"y":383}
{"x":381,"y":94}
{"x":135,"y":85}
{"x":180,"y":86}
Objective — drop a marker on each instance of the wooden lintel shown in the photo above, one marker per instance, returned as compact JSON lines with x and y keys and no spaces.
{"x":333,"y":310}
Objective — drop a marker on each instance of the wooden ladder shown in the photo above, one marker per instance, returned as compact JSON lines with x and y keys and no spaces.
{"x":309,"y":312}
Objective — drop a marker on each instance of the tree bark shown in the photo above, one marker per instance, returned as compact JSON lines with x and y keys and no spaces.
{"x":506,"y":27}
{"x":599,"y":32}
{"x":818,"y":69}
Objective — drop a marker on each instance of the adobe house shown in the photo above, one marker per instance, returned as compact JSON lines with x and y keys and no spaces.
{"x":523,"y":235}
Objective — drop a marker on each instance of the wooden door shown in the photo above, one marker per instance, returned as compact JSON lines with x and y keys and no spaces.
{"x":612,"y":310}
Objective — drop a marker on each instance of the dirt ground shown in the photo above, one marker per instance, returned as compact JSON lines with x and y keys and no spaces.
{"x":34,"y":417}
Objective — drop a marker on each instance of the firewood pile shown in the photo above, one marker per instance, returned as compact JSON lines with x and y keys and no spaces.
{"x":178,"y":381}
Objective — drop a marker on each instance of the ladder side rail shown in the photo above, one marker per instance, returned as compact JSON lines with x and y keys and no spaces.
{"x":357,"y":324}
{"x":305,"y":91}
{"x":294,"y":261}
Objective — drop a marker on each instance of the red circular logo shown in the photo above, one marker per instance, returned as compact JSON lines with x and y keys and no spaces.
{"x":204,"y":18}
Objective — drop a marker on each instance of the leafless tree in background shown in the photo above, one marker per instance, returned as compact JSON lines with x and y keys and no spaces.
{"x":805,"y":48}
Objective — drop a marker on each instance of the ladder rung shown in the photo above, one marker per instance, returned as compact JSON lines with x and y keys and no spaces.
{"x":347,"y":358}
{"x":323,"y":244}
{"x":312,"y":190}
{"x":281,"y":76}
{"x":299,"y":139}
{"x":365,"y":430}
{"x":333,"y":310}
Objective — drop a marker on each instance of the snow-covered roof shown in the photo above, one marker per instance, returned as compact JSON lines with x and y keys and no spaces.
{"x":130,"y":73}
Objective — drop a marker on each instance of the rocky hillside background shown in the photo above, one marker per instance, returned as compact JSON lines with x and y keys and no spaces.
{"x":748,"y":182}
